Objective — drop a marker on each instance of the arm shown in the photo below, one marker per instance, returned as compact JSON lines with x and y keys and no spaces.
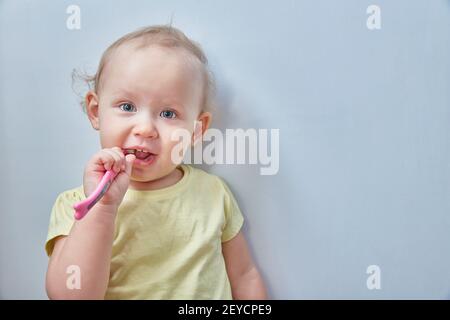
{"x":88,"y":246}
{"x":246,"y":282}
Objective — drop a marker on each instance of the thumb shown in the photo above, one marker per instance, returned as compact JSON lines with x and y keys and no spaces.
{"x":129,"y":160}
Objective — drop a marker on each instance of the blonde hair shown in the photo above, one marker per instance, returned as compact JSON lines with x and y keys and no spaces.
{"x":164,"y":36}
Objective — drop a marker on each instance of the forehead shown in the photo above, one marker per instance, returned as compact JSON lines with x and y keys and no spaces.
{"x":152,"y":72}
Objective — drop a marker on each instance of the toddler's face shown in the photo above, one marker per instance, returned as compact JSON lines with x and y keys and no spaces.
{"x":144,"y":96}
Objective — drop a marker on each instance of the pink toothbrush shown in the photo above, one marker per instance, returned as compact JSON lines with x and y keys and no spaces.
{"x":82,"y":207}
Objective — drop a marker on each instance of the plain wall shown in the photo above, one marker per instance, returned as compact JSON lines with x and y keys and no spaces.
{"x":364,"y":175}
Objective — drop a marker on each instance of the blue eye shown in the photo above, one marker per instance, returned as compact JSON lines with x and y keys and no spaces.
{"x":168,"y":114}
{"x":128,"y":105}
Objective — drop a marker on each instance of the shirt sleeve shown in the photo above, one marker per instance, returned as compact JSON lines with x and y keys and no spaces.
{"x":233,"y":216}
{"x":61,"y":217}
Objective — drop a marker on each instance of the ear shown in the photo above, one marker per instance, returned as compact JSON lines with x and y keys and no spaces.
{"x":201,"y":125}
{"x":91,"y":102}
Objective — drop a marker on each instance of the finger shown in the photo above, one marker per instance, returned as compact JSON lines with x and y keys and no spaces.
{"x":119,"y":152}
{"x":105,"y":159}
{"x":116,"y":162}
{"x":129,"y":159}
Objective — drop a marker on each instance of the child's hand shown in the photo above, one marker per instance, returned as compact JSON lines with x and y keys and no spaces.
{"x":96,"y":167}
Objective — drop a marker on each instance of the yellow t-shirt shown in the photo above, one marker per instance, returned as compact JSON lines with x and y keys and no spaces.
{"x":167,"y":242}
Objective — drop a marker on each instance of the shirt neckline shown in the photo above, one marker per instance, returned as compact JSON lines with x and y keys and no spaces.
{"x":163,"y":192}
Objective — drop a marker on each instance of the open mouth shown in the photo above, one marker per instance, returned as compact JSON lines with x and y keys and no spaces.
{"x":140,"y":154}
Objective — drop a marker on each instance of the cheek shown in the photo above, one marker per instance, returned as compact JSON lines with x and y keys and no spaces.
{"x":111,"y":130}
{"x":108,"y":138}
{"x":112,"y":119}
{"x":174,"y":137}
{"x":166,"y":132}
{"x":105,"y":119}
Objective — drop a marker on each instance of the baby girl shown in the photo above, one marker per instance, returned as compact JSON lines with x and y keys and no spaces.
{"x":163,"y":229}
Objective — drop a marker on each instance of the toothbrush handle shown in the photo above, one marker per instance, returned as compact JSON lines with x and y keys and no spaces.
{"x":82,"y":207}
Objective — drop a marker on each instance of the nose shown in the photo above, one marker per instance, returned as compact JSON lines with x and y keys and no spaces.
{"x":145,"y":128}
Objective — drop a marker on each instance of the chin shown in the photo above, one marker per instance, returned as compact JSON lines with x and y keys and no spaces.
{"x":150,"y":174}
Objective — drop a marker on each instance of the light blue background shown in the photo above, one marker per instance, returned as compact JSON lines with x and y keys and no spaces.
{"x":364,"y":134}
